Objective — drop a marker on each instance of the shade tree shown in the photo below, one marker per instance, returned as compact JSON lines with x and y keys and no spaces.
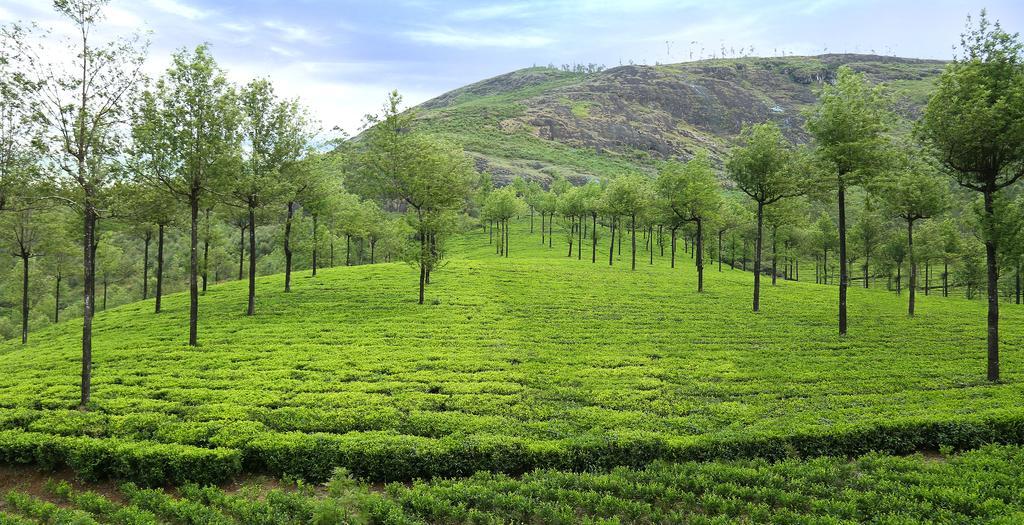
{"x":913,"y":192}
{"x":275,"y":133}
{"x":690,"y":194}
{"x":629,"y":196}
{"x":974,"y":120}
{"x":848,"y":126}
{"x":763,"y":168}
{"x":85,"y":92}
{"x":430,"y":177}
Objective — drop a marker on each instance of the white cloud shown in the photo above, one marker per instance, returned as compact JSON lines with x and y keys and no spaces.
{"x":236,"y":27}
{"x":293,"y":33}
{"x":453,"y":38}
{"x":285,"y":52}
{"x":174,"y":7}
{"x":493,"y":11}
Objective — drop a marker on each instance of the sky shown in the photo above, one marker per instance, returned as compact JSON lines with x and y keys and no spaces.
{"x":341,"y":57}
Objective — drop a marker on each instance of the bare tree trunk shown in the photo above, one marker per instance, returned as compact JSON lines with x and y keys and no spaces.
{"x":593,"y":234}
{"x":159,"y":266}
{"x":650,"y":252}
{"x":145,"y":265}
{"x":720,"y":250}
{"x":551,"y":229}
{"x":423,"y":262}
{"x":866,"y":261}
{"x":348,"y":250}
{"x":316,"y":246}
{"x":673,"y":248}
{"x":991,"y":249}
{"x":757,"y":257}
{"x":88,"y":295}
{"x":913,"y":267}
{"x":611,"y":239}
{"x":251,"y":307}
{"x":700,"y":255}
{"x":775,"y":255}
{"x":193,"y":285}
{"x":288,"y":247}
{"x":56,"y":302}
{"x":24,"y":296}
{"x":632,"y":226}
{"x":572,"y":233}
{"x":844,"y":276}
{"x":579,"y":243}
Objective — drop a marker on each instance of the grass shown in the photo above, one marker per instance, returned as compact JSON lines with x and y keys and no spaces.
{"x":536,"y":360}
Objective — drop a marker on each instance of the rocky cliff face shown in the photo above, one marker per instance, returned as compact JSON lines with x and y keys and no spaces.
{"x":540,"y":122}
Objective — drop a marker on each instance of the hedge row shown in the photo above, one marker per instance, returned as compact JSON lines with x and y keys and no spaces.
{"x":380,"y":456}
{"x":140,"y":461}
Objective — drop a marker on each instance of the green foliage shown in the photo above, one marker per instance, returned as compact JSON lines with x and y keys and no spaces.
{"x":980,"y":486}
{"x":975,"y":118}
{"x":848,"y":125}
{"x":762,"y":167}
{"x":503,"y":204}
{"x":348,"y":371}
{"x":689,"y":191}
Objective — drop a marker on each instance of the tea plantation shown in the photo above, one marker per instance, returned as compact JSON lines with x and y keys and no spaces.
{"x":981,"y":486}
{"x":532,"y":361}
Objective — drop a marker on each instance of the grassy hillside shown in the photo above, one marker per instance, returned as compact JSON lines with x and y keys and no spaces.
{"x":539,"y":122}
{"x":536,"y":360}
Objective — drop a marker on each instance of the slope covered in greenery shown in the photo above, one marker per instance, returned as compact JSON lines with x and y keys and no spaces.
{"x":535,"y":360}
{"x":977,"y":486}
{"x":541,"y":122}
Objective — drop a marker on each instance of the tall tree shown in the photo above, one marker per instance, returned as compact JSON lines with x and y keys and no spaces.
{"x":194,"y":110}
{"x":690,"y":193}
{"x":85,"y":96}
{"x":432,"y":179}
{"x":913,"y":193}
{"x":848,"y":125}
{"x":629,"y":196}
{"x":306,"y":185}
{"x":275,"y":134}
{"x":762,"y":167}
{"x":22,"y":230}
{"x":975,"y":122}
{"x":868,"y":234}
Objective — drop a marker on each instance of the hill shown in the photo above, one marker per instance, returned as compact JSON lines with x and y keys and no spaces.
{"x":536,"y":360}
{"x":538,"y":122}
